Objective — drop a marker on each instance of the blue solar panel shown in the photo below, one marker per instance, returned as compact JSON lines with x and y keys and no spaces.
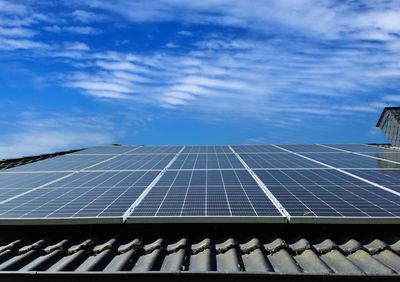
{"x":328,"y":193}
{"x":206,"y":193}
{"x":349,"y":160}
{"x":360,"y":148}
{"x":205,"y":181}
{"x":256,"y":149}
{"x":158,"y":149}
{"x":386,"y":177}
{"x":14,"y":184}
{"x":277,"y":161}
{"x":206,"y":149}
{"x":136,"y":162}
{"x":63,"y":163}
{"x":84,"y":194}
{"x":206,"y":161}
{"x":308,"y":148}
{"x":393,"y":156}
{"x":106,"y":150}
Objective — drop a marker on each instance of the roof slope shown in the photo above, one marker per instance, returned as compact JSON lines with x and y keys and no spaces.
{"x":258,"y":249}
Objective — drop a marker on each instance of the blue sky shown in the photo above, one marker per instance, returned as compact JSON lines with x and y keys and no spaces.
{"x":88,"y":72}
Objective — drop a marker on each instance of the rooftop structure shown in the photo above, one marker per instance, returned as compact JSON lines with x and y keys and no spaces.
{"x":185,"y":212}
{"x":389,"y":123}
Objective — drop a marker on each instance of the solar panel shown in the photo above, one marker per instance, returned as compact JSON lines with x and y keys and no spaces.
{"x":106,"y":150}
{"x":393,"y":156}
{"x":308,"y":148}
{"x":14,"y":184}
{"x":206,"y":149}
{"x":158,"y":149}
{"x":328,"y":193}
{"x":277,"y":161}
{"x":206,"y":161}
{"x":63,"y":163}
{"x":240,"y":183}
{"x":84,"y":194}
{"x":256,"y":149}
{"x":360,"y":148}
{"x":136,"y":162}
{"x":349,"y":160}
{"x":206,"y":193}
{"x":386,"y":177}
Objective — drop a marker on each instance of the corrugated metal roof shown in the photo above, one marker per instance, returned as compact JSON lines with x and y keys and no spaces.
{"x":322,"y":253}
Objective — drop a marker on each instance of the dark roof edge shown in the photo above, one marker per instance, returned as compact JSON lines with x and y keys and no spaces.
{"x":183,"y":276}
{"x":383,"y":112}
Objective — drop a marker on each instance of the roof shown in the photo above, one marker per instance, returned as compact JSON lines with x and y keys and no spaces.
{"x":197,"y":251}
{"x":383,"y":113}
{"x":186,"y":251}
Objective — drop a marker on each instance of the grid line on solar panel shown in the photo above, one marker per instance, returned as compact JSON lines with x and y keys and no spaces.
{"x":256,"y":149}
{"x":277,"y":160}
{"x":328,"y":193}
{"x":136,"y":162}
{"x":105,"y":150}
{"x":206,"y":161}
{"x":386,"y":177}
{"x":377,"y":156}
{"x":206,"y":193}
{"x":393,"y":156}
{"x":344,"y":160}
{"x":14,"y":184}
{"x":158,"y":149}
{"x":360,"y":148}
{"x":72,"y":163}
{"x":63,"y":163}
{"x":206,"y":149}
{"x":104,"y":194}
{"x":307,"y":148}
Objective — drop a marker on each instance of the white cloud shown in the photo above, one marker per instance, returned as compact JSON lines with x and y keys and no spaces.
{"x":86,"y":16}
{"x":34,"y":134}
{"x":12,"y":8}
{"x":85,"y":30}
{"x":17,"y":32}
{"x":15,"y":44}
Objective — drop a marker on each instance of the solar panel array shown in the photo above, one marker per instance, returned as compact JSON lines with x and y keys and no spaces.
{"x":269,"y":183}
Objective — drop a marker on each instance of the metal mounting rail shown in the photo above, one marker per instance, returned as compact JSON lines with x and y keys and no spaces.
{"x":151,"y":185}
{"x":269,"y":194}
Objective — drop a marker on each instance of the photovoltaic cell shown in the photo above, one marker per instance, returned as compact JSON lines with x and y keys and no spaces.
{"x":256,"y":149}
{"x":206,"y":149}
{"x":328,"y":193}
{"x":106,"y":150}
{"x":158,"y":149}
{"x":13,"y":184}
{"x":393,"y":156}
{"x":63,"y":163}
{"x":206,"y":161}
{"x":360,"y":148}
{"x":308,"y":148}
{"x":386,"y":177}
{"x":136,"y":162}
{"x":277,"y":161}
{"x":84,"y":194}
{"x":206,"y":193}
{"x":349,"y":160}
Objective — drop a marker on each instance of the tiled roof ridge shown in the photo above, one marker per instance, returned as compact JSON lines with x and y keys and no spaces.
{"x":349,"y":247}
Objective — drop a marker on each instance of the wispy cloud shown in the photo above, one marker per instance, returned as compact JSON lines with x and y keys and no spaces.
{"x":270,"y":60}
{"x":87,"y":30}
{"x":35,"y":134}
